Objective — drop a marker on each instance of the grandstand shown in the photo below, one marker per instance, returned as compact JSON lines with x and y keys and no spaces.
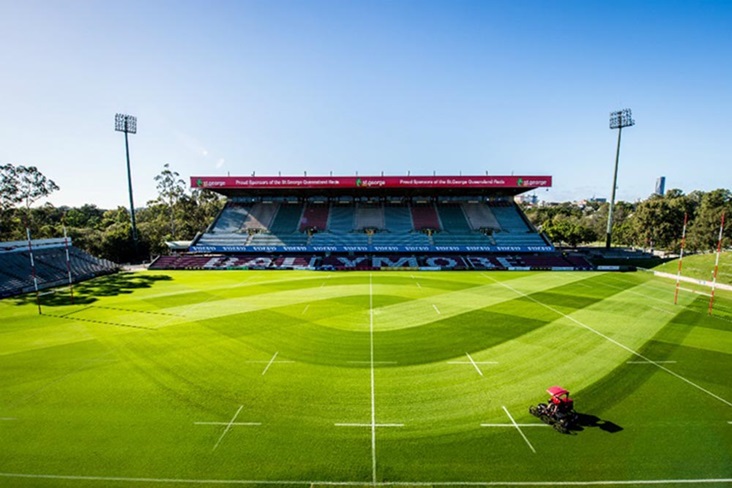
{"x":51,"y":266}
{"x":458,"y":222}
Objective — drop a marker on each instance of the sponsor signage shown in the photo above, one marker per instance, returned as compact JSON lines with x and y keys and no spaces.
{"x":393,"y":249}
{"x":325,"y":182}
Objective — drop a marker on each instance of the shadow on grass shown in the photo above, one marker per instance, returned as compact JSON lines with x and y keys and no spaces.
{"x":89,"y":291}
{"x":593,"y":421}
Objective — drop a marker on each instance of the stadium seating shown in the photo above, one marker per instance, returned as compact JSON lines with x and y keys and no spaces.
{"x":287,"y":219}
{"x":479,"y":216}
{"x":231,"y":218}
{"x":453,"y":219}
{"x":315,"y":216}
{"x":260,"y":216}
{"x":398,"y":219}
{"x":339,"y":239}
{"x":369,"y":217}
{"x":425,"y":217}
{"x":51,"y":268}
{"x":345,"y":223}
{"x":514,"y":229}
{"x":341,"y":219}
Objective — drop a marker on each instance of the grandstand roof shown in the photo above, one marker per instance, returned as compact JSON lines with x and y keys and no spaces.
{"x":303,"y":186}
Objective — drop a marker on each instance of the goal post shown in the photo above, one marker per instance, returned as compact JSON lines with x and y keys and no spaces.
{"x":716,"y":264}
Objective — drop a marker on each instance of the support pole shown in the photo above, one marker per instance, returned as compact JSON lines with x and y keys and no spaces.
{"x":68,"y":266}
{"x":716,"y":265}
{"x":608,"y":236}
{"x":128,"y":124}
{"x":33,"y":270}
{"x":618,"y":120}
{"x":681,"y":258}
{"x":129,"y":187}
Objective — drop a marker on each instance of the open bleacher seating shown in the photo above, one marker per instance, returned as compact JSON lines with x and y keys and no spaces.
{"x":51,"y":266}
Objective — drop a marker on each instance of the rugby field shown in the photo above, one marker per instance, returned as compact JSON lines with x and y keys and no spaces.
{"x":206,"y":378}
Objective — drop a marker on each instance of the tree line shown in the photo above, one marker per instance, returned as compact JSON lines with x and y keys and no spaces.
{"x":178,"y":213}
{"x":654,"y":223}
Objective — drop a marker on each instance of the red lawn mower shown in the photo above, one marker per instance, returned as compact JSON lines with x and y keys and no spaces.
{"x":558,"y":411}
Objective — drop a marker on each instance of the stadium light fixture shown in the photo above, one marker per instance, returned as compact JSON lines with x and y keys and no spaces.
{"x":618,"y":120}
{"x":128,"y":125}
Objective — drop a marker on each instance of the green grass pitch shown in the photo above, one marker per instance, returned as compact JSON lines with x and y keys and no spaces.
{"x":306,"y":379}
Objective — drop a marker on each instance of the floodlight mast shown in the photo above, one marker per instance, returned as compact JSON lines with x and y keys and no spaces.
{"x":618,"y":120}
{"x":128,"y":125}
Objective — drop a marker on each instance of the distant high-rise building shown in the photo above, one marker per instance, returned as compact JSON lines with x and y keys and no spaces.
{"x":660,"y":185}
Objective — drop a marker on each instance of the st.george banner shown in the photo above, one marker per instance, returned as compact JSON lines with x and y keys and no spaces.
{"x":343,"y":182}
{"x":368,"y":249}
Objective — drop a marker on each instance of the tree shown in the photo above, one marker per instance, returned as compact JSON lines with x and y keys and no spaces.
{"x":9,"y":191}
{"x":704,"y":230}
{"x":569,"y":230}
{"x":170,"y":190}
{"x":33,"y":185}
{"x":21,"y":184}
{"x":658,"y":222}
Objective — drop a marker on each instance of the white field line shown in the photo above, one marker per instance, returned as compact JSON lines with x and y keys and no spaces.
{"x":233,"y":424}
{"x":119,"y":479}
{"x":436,"y":309}
{"x":519,"y":429}
{"x":633,"y":292}
{"x":270,"y":362}
{"x":373,"y":425}
{"x":665,"y":289}
{"x":476,"y":362}
{"x":649,"y":362}
{"x":587,"y":327}
{"x":306,"y":309}
{"x":695,"y":291}
{"x":474,"y":365}
{"x":373,"y":380}
{"x":368,"y":425}
{"x":6,"y":419}
{"x":228,"y":427}
{"x":664,"y":301}
{"x":514,"y":425}
{"x":418,"y":285}
{"x":371,"y":362}
{"x":663,"y":310}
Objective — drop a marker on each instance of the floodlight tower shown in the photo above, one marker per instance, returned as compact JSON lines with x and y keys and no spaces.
{"x":128,"y":125}
{"x":618,"y":120}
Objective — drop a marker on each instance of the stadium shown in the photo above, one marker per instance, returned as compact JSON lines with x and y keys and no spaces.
{"x":372,"y":222}
{"x":418,"y":367}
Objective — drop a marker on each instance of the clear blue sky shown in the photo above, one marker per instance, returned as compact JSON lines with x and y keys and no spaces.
{"x":395,"y":86}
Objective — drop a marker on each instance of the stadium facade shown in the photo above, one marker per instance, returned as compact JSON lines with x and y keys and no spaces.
{"x":371,"y":222}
